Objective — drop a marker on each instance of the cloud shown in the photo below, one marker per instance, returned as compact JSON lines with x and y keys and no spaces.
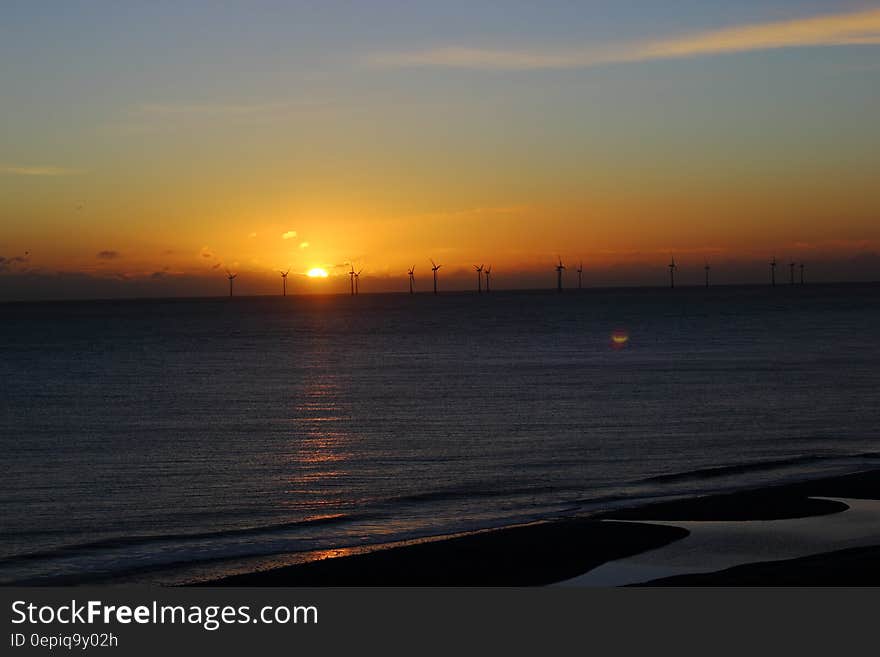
{"x":304,"y":245}
{"x":202,"y":110}
{"x":857,"y":28}
{"x":107,"y":255}
{"x":7,"y":264}
{"x":206,"y":252}
{"x":288,"y":235}
{"x":39,"y":171}
{"x":152,"y":116}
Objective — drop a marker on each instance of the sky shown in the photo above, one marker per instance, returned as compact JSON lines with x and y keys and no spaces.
{"x":145,"y":148}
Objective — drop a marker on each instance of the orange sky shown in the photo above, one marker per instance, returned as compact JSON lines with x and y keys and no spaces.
{"x":728,"y":140}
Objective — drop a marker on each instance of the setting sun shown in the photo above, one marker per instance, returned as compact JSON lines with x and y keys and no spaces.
{"x":317,"y":272}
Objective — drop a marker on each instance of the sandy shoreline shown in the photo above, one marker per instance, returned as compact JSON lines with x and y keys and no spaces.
{"x":552,"y":552}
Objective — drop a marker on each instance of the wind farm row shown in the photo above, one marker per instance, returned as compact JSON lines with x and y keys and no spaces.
{"x":486,"y":271}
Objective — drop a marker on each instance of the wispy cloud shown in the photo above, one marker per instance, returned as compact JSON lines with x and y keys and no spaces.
{"x":288,"y":235}
{"x":160,"y":115}
{"x":39,"y":171}
{"x":212,"y":109}
{"x":858,"y":28}
{"x":9,"y":263}
{"x":224,"y":110}
{"x":107,"y":255}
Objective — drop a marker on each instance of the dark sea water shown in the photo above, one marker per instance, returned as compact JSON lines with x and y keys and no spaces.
{"x":169,"y":440}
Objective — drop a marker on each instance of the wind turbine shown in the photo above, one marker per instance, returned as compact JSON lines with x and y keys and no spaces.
{"x":357,"y":276}
{"x":487,"y":272}
{"x":672,"y":267}
{"x":580,"y":271}
{"x":479,"y":270}
{"x":559,"y":269}
{"x":707,"y":268}
{"x":773,"y":272}
{"x":802,"y":273}
{"x":351,"y":277}
{"x":434,"y":268}
{"x":791,"y":273}
{"x":284,"y":281}
{"x":231,"y":278}
{"x":412,"y":277}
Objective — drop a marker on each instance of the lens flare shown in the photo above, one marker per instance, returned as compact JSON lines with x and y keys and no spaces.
{"x":619,"y":338}
{"x":317,"y":272}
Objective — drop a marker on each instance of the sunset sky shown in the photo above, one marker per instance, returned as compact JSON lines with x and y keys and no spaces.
{"x":146,"y":147}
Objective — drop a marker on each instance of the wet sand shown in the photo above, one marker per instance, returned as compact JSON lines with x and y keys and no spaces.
{"x":713,"y":545}
{"x":529,"y":555}
{"x":561,"y":551}
{"x":859,"y":566}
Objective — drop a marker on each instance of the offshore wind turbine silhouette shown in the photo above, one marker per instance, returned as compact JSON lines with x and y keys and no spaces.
{"x":357,"y":276}
{"x":434,"y":268}
{"x":773,"y":272}
{"x":412,"y":281}
{"x":487,"y":272}
{"x":231,"y":278}
{"x":284,"y":281}
{"x":559,"y":269}
{"x":802,"y":273}
{"x":351,"y":277}
{"x":672,"y":267}
{"x":791,"y":272}
{"x":707,"y":268}
{"x":580,"y":271}
{"x":479,"y":270}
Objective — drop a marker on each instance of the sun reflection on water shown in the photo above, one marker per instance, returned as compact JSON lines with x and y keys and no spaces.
{"x":319,"y":445}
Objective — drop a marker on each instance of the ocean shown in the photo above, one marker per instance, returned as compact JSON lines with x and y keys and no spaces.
{"x":173,"y":440}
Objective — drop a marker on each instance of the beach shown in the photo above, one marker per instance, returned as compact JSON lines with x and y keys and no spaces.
{"x":553,"y":552}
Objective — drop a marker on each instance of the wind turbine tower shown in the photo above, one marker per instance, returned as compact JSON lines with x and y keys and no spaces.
{"x":231,"y":278}
{"x":773,"y":272}
{"x":706,"y":267}
{"x":412,"y":282}
{"x":487,"y":272}
{"x":479,"y":270}
{"x":357,"y":276}
{"x":559,"y":269}
{"x":791,"y":273}
{"x":580,"y":271}
{"x":672,"y":267}
{"x":351,"y":277}
{"x":802,"y":273}
{"x":284,"y":282}
{"x":434,"y":268}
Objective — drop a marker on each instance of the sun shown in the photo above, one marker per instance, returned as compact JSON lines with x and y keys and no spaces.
{"x":317,"y":272}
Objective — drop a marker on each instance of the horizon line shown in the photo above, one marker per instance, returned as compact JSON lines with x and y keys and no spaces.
{"x":458,"y":292}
